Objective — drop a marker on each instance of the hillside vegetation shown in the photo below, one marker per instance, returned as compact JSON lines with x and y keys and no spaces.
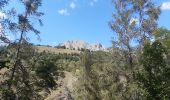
{"x":56,"y":50}
{"x":137,"y":67}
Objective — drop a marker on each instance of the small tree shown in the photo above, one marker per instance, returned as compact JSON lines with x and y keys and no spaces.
{"x":133,"y":23}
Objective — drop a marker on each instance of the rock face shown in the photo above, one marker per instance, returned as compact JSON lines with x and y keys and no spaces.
{"x":81,"y":45}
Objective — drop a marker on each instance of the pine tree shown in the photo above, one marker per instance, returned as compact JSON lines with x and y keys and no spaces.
{"x":19,"y":83}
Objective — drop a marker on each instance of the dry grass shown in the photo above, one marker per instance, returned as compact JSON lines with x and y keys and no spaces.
{"x":56,"y":50}
{"x":64,"y":90}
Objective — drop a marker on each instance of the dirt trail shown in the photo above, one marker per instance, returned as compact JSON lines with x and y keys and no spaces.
{"x":63,"y":92}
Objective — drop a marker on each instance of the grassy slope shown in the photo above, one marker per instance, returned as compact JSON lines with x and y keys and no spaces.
{"x":55,"y":50}
{"x":67,"y":82}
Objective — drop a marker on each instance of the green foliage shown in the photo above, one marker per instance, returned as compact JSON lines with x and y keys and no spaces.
{"x":46,"y":69}
{"x":154,"y":77}
{"x":8,"y":94}
{"x":163,"y":35}
{"x":133,"y":21}
{"x":98,"y":77}
{"x":18,"y":77}
{"x":117,"y":75}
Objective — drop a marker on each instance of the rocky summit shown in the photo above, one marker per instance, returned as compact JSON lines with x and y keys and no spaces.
{"x":80,"y":45}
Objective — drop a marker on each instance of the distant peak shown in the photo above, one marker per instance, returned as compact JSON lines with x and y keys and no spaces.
{"x":79,"y":45}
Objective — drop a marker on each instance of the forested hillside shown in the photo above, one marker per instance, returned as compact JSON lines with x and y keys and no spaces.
{"x":136,"y":67}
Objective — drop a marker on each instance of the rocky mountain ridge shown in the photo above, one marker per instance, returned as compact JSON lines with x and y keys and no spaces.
{"x":81,"y":45}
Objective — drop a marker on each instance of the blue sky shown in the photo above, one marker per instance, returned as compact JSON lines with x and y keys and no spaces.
{"x":85,"y":20}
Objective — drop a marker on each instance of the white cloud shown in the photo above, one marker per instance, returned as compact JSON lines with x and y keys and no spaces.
{"x":165,"y":6}
{"x":2,"y":15}
{"x":63,"y":12}
{"x":93,"y":2}
{"x":72,"y":5}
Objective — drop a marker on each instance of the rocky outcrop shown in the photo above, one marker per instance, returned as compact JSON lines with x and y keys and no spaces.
{"x":81,"y":45}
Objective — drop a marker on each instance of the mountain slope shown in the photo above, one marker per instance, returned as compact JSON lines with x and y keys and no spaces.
{"x":55,"y":50}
